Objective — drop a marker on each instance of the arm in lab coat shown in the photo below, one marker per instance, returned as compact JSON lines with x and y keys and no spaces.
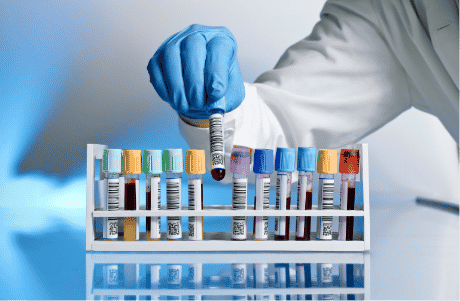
{"x":332,"y":88}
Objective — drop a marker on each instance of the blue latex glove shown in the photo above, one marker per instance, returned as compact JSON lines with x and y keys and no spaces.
{"x":195,"y":68}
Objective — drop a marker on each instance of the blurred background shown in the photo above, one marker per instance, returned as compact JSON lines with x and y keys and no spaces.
{"x":74,"y":72}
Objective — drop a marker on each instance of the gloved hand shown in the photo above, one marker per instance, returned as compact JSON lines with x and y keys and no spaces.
{"x":195,"y":68}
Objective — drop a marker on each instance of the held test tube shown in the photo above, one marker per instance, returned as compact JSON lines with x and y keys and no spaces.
{"x":216,"y":139}
{"x":327,"y":167}
{"x":348,"y":167}
{"x":195,"y":169}
{"x":132,"y":168}
{"x":111,"y":165}
{"x":306,"y":165}
{"x":263,"y":168}
{"x":284,"y":166}
{"x":240,"y":167}
{"x":173,"y":167}
{"x":152,"y":169}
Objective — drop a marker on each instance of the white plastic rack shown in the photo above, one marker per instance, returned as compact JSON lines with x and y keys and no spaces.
{"x":221,"y":241}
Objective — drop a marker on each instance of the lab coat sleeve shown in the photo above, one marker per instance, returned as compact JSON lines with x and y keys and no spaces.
{"x":332,"y":88}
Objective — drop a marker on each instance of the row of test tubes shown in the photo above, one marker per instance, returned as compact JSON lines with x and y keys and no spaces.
{"x":326,"y":166}
{"x":129,"y":164}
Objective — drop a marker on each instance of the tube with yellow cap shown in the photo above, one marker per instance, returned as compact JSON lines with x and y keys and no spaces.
{"x":173,"y":166}
{"x":327,"y":167}
{"x":194,"y":167}
{"x":151,"y":163}
{"x":132,"y":168}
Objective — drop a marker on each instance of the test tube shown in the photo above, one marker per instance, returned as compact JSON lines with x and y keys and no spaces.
{"x":111,"y":165}
{"x":173,"y":167}
{"x":152,"y":169}
{"x":263,"y":168}
{"x":348,"y":167}
{"x":216,"y":139}
{"x":306,"y":165}
{"x":327,"y":167}
{"x":195,"y":169}
{"x":284,"y":166}
{"x":240,"y":167}
{"x":132,"y":168}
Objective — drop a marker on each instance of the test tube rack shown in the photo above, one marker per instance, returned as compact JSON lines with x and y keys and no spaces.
{"x":221,"y":241}
{"x":219,"y":287}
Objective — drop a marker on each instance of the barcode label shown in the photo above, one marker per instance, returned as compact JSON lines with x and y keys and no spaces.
{"x":239,"y":194}
{"x":262,"y":193}
{"x":174,"y":227}
{"x":173,"y":194}
{"x":173,"y":202}
{"x":156,"y":191}
{"x":301,"y":204}
{"x":281,"y":195}
{"x":216,"y":134}
{"x":110,"y":230}
{"x":239,"y":202}
{"x":343,"y":206}
{"x":327,"y":193}
{"x":195,"y":223}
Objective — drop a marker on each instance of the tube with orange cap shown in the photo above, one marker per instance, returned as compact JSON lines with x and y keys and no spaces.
{"x":194,"y":167}
{"x":348,"y":167}
{"x":327,"y":167}
{"x":132,"y":168}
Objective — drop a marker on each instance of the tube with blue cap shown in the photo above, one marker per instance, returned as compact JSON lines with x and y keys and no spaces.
{"x":284,"y":165}
{"x":306,"y":165}
{"x":263,"y":168}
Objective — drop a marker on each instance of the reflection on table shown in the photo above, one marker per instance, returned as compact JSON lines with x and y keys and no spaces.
{"x":236,"y":276}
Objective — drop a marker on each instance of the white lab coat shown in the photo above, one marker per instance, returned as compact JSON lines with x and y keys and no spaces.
{"x":364,"y":63}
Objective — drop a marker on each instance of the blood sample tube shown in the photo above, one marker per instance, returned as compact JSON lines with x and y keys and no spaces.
{"x":152,"y":169}
{"x":348,"y":167}
{"x":306,"y":165}
{"x":327,"y":167}
{"x":216,"y":139}
{"x":284,"y":166}
{"x":111,"y":165}
{"x":173,"y":166}
{"x":263,"y":168}
{"x":240,"y":167}
{"x":132,"y":168}
{"x":194,"y":167}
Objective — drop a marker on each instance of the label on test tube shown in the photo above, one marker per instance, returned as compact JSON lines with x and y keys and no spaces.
{"x":239,"y":274}
{"x":326,"y":275}
{"x":262,"y":193}
{"x":343,"y":206}
{"x":239,"y":202}
{"x":216,"y":131}
{"x":113,"y":190}
{"x":195,"y":223}
{"x":173,"y":194}
{"x":326,"y":197}
{"x":301,"y":204}
{"x":155,"y":221}
{"x":281,"y":201}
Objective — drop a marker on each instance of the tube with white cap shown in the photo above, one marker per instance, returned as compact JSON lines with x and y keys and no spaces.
{"x":111,"y":165}
{"x":152,"y":169}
